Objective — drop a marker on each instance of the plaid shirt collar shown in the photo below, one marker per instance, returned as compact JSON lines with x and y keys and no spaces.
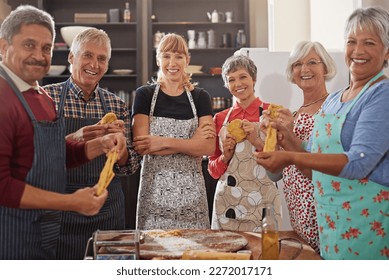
{"x":77,"y":91}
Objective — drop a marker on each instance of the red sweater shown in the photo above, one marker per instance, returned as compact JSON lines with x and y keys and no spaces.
{"x":16,"y":141}
{"x":216,"y":167}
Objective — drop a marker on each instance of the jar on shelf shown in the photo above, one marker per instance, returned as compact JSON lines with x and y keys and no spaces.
{"x":211,"y":39}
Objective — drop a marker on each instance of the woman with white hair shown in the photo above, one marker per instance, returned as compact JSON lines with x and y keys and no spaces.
{"x":309,"y":67}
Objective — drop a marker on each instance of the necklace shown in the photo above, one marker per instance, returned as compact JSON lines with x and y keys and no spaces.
{"x":309,"y":104}
{"x":313,"y":102}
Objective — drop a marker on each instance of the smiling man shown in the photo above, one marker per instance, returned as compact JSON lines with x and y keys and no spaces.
{"x":83,"y":105}
{"x":32,"y":140}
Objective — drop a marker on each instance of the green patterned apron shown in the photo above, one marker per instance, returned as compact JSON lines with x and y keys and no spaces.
{"x":352,"y":214}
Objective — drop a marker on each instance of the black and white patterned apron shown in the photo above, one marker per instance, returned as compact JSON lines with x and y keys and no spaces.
{"x":76,"y":228}
{"x":172,"y":188}
{"x":242,"y":191}
{"x":33,"y":233}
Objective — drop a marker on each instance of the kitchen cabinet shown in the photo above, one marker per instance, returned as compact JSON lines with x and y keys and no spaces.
{"x":125,"y":38}
{"x":168,"y":16}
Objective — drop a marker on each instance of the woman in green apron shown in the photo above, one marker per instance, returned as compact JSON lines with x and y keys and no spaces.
{"x":349,"y":148}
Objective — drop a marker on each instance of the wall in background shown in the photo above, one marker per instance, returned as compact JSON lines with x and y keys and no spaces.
{"x":5,"y":9}
{"x":329,"y":29}
{"x":258,"y":23}
{"x":288,"y":23}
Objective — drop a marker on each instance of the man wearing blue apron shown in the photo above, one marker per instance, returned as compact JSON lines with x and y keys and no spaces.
{"x":83,"y":104}
{"x":34,"y":151}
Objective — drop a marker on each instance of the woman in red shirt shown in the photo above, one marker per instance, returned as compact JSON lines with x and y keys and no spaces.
{"x":243,"y":185}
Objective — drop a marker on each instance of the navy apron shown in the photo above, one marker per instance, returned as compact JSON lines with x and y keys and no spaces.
{"x":33,"y":233}
{"x":76,"y":229}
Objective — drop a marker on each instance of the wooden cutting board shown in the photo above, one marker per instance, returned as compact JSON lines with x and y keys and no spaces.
{"x":171,"y":244}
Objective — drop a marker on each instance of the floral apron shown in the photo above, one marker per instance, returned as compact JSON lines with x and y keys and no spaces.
{"x":172,"y":188}
{"x":242,"y":191}
{"x":352,"y":214}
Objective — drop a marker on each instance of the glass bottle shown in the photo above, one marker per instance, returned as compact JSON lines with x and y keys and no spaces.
{"x":127,"y":13}
{"x":270,"y":240}
{"x":240,"y":39}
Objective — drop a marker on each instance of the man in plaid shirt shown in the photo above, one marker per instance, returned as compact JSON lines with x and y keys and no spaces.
{"x":83,"y":103}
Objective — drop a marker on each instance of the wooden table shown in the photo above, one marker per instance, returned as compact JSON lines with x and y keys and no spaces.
{"x":292,"y":246}
{"x":290,"y":249}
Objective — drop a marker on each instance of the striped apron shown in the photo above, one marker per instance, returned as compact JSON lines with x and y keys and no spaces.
{"x":76,"y":229}
{"x":33,"y":233}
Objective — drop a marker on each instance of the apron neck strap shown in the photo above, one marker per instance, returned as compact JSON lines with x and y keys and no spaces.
{"x":18,"y":94}
{"x":365,"y":87}
{"x":64,"y":92}
{"x":155,"y":95}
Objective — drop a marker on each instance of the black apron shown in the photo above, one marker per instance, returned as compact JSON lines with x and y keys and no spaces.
{"x":77,"y":229}
{"x":33,"y":233}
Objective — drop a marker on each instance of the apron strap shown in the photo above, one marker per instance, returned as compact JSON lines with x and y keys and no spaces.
{"x":367,"y":85}
{"x":18,"y":94}
{"x":64,"y":92}
{"x":154,"y":101}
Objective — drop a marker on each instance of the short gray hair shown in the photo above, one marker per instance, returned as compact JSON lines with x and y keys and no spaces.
{"x":97,"y":36}
{"x":302,"y":49}
{"x":373,"y":19}
{"x":236,"y":62}
{"x":25,"y":15}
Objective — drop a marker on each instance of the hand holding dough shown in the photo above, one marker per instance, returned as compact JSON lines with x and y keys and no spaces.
{"x":271,"y":133}
{"x":108,"y":118}
{"x":235,"y":129}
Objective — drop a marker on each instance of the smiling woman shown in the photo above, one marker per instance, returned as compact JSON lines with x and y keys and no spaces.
{"x":172,"y":132}
{"x":309,"y":67}
{"x":243,"y":186}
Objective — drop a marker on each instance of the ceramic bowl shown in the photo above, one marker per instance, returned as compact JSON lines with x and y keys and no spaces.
{"x":69,"y":32}
{"x":215,"y":70}
{"x":194,"y":69}
{"x":56,"y":70}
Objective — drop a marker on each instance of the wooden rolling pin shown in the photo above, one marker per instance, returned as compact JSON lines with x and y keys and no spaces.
{"x":213,"y":255}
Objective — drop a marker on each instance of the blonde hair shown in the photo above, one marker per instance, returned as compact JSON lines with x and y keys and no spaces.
{"x":174,"y":43}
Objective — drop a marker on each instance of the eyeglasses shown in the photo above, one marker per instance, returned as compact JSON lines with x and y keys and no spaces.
{"x":310,"y":64}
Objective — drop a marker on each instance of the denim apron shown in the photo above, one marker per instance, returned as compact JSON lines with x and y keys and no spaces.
{"x":33,"y":233}
{"x":172,"y":188}
{"x":353,"y":222}
{"x":76,"y":229}
{"x":242,"y":191}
